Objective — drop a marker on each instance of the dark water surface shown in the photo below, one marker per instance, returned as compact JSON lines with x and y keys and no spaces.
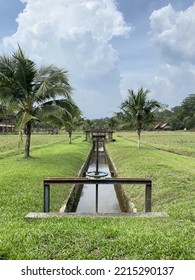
{"x":107,"y":198}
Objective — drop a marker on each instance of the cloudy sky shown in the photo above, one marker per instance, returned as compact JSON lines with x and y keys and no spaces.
{"x":108,"y":46}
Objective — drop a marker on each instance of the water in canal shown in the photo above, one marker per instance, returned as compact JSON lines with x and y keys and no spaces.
{"x":99,"y":198}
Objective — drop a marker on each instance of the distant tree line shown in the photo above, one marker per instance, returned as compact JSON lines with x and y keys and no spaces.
{"x":179,"y":117}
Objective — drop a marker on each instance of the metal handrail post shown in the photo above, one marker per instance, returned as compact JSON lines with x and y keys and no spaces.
{"x":46,"y":198}
{"x":148,"y":198}
{"x":96,"y":198}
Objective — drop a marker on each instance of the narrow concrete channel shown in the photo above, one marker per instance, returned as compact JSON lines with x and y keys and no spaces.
{"x":107,"y":201}
{"x":101,"y":198}
{"x":94,"y":198}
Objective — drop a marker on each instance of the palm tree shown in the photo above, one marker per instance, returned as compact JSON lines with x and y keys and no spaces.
{"x":66,"y":116}
{"x":30,"y":90}
{"x":71,"y":119}
{"x":138,"y":110}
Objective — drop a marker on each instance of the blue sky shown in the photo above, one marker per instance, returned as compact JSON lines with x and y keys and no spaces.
{"x":108,"y":46}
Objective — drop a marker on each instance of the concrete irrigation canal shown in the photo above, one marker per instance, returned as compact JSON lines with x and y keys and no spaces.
{"x":98,"y":198}
{"x":97,"y":190}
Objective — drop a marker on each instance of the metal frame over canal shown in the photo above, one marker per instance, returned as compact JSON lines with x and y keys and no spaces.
{"x":84,"y":180}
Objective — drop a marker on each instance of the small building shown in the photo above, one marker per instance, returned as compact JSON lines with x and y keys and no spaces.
{"x":7,"y":124}
{"x":162,"y":126}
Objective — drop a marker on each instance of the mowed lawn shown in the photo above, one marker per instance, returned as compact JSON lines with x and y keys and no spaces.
{"x":168,"y":158}
{"x":169,"y":163}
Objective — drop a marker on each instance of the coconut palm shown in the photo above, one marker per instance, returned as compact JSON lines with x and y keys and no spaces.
{"x":71,"y":119}
{"x":66,"y":116}
{"x":30,"y":90}
{"x":138,"y":110}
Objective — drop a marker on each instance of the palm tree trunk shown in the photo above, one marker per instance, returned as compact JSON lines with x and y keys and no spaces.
{"x":28,"y":137}
{"x":139,"y":136}
{"x":70,"y":137}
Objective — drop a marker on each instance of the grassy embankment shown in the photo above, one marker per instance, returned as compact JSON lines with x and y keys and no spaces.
{"x":100,"y":238}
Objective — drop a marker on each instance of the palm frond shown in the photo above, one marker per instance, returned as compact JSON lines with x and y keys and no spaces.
{"x":25,"y":71}
{"x":6,"y":66}
{"x":51,"y":82}
{"x":138,"y":109}
{"x":55,"y":120}
{"x":16,"y":75}
{"x":23,"y":119}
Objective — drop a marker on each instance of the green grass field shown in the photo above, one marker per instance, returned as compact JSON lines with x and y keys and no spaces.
{"x":167,"y":158}
{"x":171,"y":167}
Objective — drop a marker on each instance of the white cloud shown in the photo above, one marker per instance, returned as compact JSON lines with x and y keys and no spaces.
{"x":75,"y":34}
{"x":173,"y":83}
{"x":173,"y":31}
{"x":169,"y":84}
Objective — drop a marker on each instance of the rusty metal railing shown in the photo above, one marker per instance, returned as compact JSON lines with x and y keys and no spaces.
{"x":84,"y":180}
